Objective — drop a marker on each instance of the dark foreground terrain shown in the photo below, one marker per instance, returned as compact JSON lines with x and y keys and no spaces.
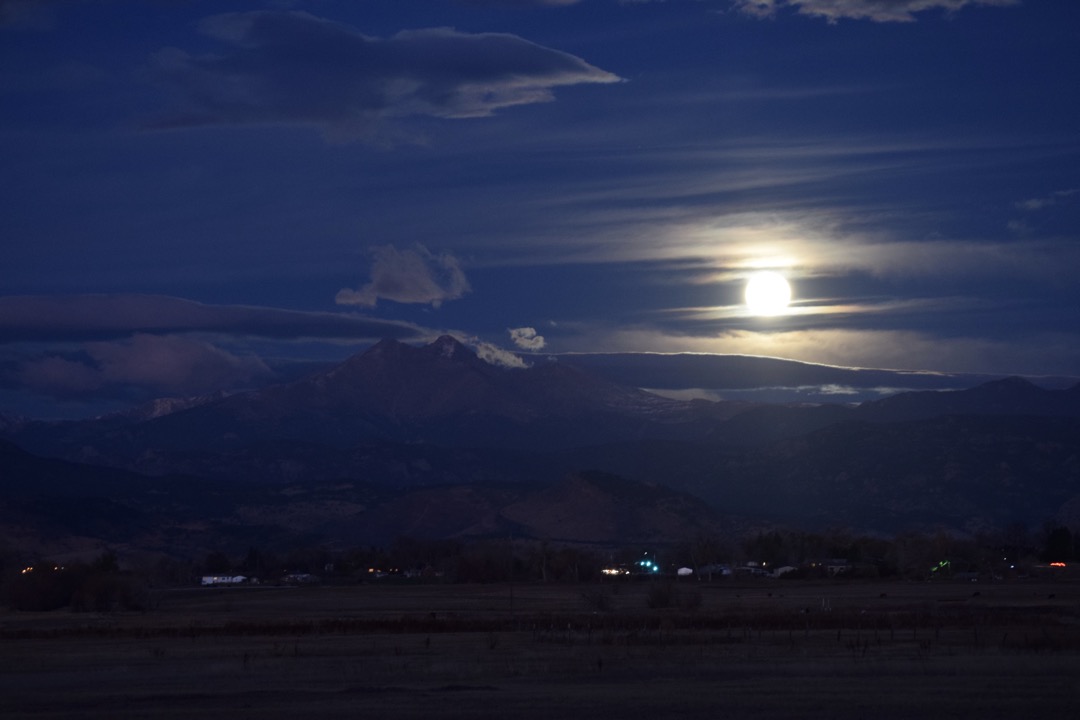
{"x":769,"y":649}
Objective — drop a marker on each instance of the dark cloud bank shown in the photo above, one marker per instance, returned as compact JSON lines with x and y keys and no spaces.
{"x":143,"y":346}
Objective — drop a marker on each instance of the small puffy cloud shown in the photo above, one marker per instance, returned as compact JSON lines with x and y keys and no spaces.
{"x":495,"y":355}
{"x":875,"y":10}
{"x":171,"y":365}
{"x":527,"y":338}
{"x":409,"y":276}
{"x":78,"y":318}
{"x":298,"y":69}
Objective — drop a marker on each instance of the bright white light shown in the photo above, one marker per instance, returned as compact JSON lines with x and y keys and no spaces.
{"x":767,"y":293}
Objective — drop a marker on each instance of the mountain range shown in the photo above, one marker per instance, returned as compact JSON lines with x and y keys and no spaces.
{"x":433,"y":441}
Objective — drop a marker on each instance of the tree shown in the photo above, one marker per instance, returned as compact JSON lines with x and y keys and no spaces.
{"x":1058,"y":546}
{"x":105,"y":563}
{"x":217,"y":563}
{"x":770,"y":548}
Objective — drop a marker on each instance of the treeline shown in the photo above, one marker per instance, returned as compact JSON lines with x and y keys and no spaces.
{"x":486,"y":560}
{"x":1009,"y":552}
{"x":98,"y":586}
{"x":1012,"y":552}
{"x":103,"y":585}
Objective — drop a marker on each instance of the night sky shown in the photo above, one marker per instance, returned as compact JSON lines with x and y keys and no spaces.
{"x":211,"y":195}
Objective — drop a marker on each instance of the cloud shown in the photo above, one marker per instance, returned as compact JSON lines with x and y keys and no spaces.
{"x":59,"y":376}
{"x":817,"y":244}
{"x":27,"y":14}
{"x":170,"y":365}
{"x":519,"y":3}
{"x":526,"y":338}
{"x":1019,"y":227}
{"x":875,"y":10}
{"x":298,"y":69}
{"x":824,"y":311}
{"x":409,"y":276}
{"x":810,"y":243}
{"x":1037,"y":353}
{"x":496,"y":355}
{"x":79,"y":318}
{"x":1053,"y":198}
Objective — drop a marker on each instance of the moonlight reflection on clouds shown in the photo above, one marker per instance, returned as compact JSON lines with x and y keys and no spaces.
{"x":317,"y":176}
{"x":767,"y":293}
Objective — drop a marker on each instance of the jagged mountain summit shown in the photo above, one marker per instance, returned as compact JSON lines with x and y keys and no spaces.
{"x":438,"y":394}
{"x":445,"y":378}
{"x":442,"y":393}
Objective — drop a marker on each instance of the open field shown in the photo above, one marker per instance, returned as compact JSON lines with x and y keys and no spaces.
{"x":768,"y":649}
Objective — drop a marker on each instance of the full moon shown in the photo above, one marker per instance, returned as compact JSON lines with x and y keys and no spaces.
{"x":767,"y":293}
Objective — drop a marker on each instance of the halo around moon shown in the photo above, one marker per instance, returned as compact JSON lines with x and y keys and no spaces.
{"x":767,"y":293}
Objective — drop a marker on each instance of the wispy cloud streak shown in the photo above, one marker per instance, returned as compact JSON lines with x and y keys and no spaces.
{"x":875,"y":10}
{"x":79,"y":318}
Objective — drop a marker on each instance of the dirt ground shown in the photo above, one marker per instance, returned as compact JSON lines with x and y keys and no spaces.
{"x":763,"y":650}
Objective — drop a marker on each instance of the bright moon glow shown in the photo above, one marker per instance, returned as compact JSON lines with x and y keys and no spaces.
{"x":767,"y":293}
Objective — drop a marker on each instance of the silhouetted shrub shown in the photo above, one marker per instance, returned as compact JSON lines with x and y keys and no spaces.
{"x":661,"y":595}
{"x":688,"y":597}
{"x":110,"y":591}
{"x":598,"y":600}
{"x":98,"y":587}
{"x":668,"y":594}
{"x":43,"y":587}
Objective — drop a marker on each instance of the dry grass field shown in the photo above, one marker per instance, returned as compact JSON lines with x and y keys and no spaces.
{"x":768,"y":649}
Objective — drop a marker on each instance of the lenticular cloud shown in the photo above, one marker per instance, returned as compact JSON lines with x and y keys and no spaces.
{"x":298,"y":69}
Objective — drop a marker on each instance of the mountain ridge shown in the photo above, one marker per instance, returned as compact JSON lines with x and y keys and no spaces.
{"x":400,"y":436}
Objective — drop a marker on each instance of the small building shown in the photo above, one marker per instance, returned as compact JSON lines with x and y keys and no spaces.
{"x":300,"y":578}
{"x":224,"y":579}
{"x":837,"y":566}
{"x":721,"y":569}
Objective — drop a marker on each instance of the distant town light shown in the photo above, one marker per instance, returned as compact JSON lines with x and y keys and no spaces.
{"x":30,"y":568}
